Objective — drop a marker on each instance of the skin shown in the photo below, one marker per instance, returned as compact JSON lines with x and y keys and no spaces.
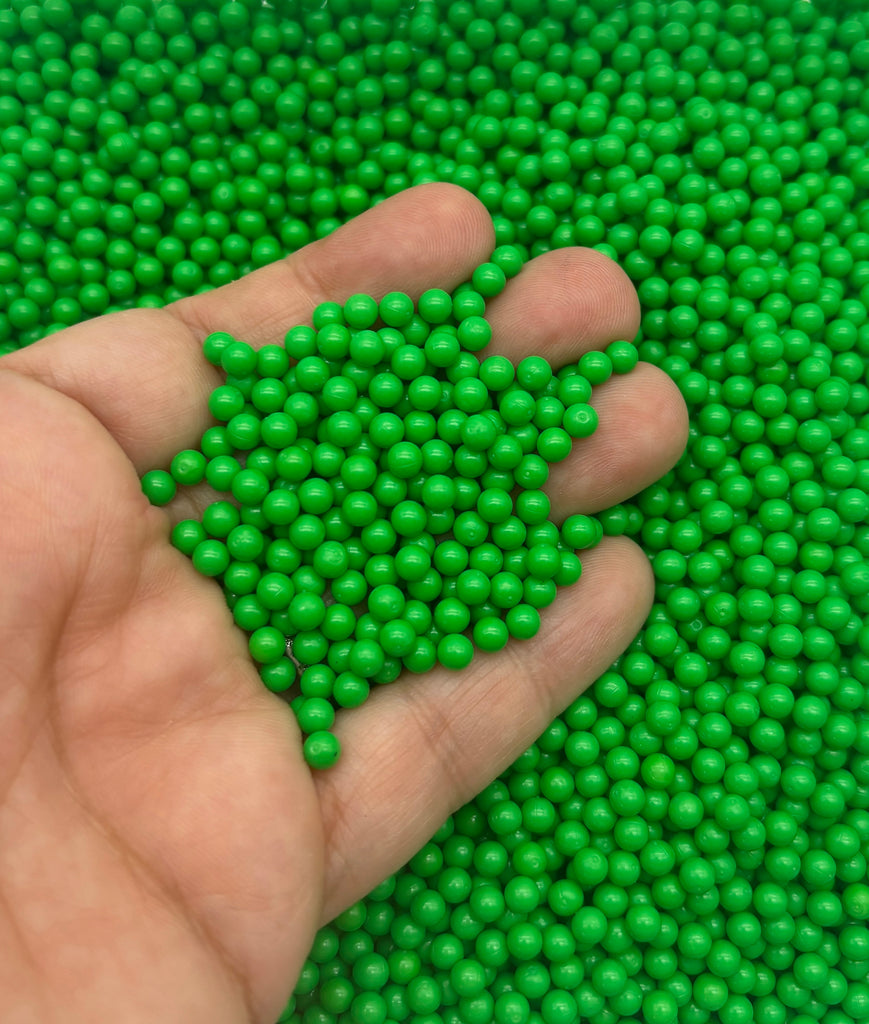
{"x":165,"y":853}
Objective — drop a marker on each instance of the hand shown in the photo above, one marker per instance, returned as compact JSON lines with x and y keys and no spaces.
{"x":165,"y":852}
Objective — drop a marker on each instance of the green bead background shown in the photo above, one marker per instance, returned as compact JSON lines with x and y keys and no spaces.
{"x":688,"y":841}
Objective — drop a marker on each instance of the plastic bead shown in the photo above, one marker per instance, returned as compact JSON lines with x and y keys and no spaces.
{"x":322,"y":749}
{"x":159,"y":487}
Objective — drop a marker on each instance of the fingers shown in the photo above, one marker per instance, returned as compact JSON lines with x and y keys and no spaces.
{"x":562,"y":304}
{"x":419,"y":749}
{"x":430,"y":236}
{"x":642,"y":431}
{"x":142,"y":374}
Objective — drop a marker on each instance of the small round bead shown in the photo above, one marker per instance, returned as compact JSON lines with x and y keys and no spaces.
{"x":159,"y":487}
{"x":455,"y":651}
{"x":322,"y":749}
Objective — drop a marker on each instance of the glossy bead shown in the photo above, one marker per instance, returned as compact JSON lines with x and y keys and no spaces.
{"x":322,"y":749}
{"x":159,"y":487}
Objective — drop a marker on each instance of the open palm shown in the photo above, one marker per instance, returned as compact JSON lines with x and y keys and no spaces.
{"x":165,"y":852}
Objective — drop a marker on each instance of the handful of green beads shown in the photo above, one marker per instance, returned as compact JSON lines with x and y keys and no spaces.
{"x":384,"y":504}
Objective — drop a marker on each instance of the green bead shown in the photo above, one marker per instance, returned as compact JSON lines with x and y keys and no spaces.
{"x":454,"y":651}
{"x":322,"y":750}
{"x":489,"y":280}
{"x":366,"y":658}
{"x":523,"y":621}
{"x":210,"y":557}
{"x":554,"y":444}
{"x":267,"y":644}
{"x":188,"y":467}
{"x":278,"y":676}
{"x":159,"y":487}
{"x":186,"y":535}
{"x":581,"y":532}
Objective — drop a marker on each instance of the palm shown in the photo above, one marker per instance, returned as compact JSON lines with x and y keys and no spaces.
{"x":163,"y":846}
{"x":165,"y":777}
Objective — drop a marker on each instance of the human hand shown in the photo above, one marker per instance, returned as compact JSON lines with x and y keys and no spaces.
{"x":165,"y":852}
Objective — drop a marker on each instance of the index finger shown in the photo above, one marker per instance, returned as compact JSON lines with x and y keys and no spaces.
{"x":141,"y":372}
{"x":429,"y":236}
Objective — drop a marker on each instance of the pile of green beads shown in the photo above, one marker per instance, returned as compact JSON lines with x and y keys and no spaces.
{"x":720,"y":152}
{"x":384,"y":507}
